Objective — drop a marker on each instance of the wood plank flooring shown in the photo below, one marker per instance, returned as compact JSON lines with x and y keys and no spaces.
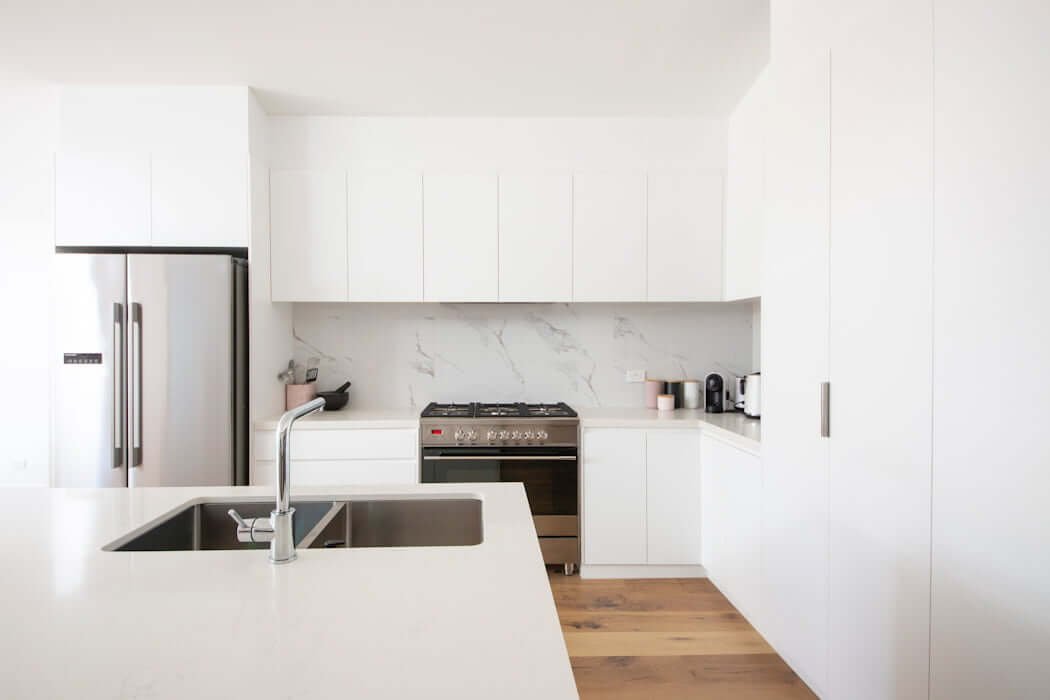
{"x":666,"y":638}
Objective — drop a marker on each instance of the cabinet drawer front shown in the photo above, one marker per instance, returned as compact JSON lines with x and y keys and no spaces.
{"x":329,"y":472}
{"x":341,"y":444}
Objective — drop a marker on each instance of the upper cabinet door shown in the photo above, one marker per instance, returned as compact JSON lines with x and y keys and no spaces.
{"x":609,"y":237}
{"x":535,"y":238}
{"x":308,"y":235}
{"x":386,"y":236}
{"x":102,"y":199}
{"x":685,"y":237}
{"x":200,"y":200}
{"x":460,"y":238}
{"x":745,"y":194}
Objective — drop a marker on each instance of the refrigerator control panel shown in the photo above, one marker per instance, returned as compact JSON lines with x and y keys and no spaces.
{"x":82,"y":358}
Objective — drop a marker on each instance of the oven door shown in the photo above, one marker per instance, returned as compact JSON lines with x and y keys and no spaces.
{"x":549,"y":474}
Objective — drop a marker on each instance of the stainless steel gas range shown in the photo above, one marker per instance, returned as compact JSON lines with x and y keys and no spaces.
{"x":535,"y":444}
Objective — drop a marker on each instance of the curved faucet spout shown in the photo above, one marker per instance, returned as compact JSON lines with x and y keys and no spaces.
{"x":282,"y":547}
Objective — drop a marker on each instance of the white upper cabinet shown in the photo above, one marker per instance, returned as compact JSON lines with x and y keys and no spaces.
{"x":684,"y":251}
{"x":163,"y":166}
{"x":460,"y":238}
{"x":535,"y":237}
{"x":386,"y":236}
{"x":673,"y":496}
{"x":308,"y":235}
{"x":200,"y":200}
{"x":102,"y":199}
{"x":745,"y":193}
{"x":609,"y":237}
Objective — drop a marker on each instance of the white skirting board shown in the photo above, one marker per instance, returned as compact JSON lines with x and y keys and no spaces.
{"x":642,"y":571}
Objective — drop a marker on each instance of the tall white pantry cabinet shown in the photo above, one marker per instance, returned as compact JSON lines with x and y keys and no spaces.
{"x":904,"y":539}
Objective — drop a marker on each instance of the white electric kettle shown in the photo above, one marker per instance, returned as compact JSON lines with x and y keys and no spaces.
{"x":753,"y":395}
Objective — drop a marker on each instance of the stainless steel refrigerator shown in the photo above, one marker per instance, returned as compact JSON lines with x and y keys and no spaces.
{"x":150,"y":386}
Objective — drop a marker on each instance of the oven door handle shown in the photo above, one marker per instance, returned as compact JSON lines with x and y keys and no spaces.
{"x":502,"y":458}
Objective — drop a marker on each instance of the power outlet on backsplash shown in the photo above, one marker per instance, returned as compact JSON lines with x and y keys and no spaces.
{"x":635,"y":375}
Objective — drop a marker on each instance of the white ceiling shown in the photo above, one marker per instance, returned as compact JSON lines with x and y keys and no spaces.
{"x":471,"y":57}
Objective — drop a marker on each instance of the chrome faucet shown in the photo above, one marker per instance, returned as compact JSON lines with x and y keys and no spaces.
{"x":277,"y":529}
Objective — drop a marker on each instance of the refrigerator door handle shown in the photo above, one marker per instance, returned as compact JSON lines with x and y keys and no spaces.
{"x":119,"y":386}
{"x":136,"y":385}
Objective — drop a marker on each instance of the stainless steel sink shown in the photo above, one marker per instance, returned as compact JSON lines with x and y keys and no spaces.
{"x":322,"y":523}
{"x":206,"y":525}
{"x":401,"y":523}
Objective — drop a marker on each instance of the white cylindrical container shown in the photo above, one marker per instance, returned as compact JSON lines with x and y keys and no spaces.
{"x":691,"y":393}
{"x":665,"y":402}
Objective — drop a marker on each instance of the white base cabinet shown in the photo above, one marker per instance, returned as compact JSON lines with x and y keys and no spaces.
{"x":672,"y":496}
{"x":732,"y":523}
{"x":641,"y":497}
{"x":614,"y":499}
{"x":341,"y":457}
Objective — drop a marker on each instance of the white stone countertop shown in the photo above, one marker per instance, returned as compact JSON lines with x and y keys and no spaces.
{"x":734,"y":428}
{"x":351,"y":418}
{"x":437,"y":622}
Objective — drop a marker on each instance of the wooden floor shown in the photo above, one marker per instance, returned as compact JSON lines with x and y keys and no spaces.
{"x":666,"y":638}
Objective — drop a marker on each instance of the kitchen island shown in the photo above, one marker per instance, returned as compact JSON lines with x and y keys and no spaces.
{"x":383,"y":622}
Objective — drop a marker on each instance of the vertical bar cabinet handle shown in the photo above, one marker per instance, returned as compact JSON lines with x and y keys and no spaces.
{"x":119,"y":387}
{"x":136,"y":385}
{"x":825,"y":409}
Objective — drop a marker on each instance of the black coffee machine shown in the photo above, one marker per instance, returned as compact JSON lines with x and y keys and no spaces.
{"x":716,"y":396}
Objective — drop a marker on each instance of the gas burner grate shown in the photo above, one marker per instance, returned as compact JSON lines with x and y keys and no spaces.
{"x":498,"y":410}
{"x":549,"y":410}
{"x":449,"y":410}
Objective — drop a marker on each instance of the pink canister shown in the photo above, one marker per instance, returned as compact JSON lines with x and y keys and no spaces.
{"x":653,"y":388}
{"x":298,"y":394}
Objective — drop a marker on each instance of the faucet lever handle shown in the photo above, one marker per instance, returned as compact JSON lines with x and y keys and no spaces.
{"x":252,"y":529}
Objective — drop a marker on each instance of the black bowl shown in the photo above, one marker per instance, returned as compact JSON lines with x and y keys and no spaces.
{"x":334,"y":400}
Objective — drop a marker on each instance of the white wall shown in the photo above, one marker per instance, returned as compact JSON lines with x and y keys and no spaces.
{"x":28,"y":130}
{"x":497,"y":143}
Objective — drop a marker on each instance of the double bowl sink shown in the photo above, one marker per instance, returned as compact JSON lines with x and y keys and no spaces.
{"x":205,"y":524}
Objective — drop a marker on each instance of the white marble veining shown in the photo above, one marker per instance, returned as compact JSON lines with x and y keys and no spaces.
{"x":442,"y":622}
{"x":405,"y":355}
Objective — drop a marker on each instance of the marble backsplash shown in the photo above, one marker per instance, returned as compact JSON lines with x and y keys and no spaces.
{"x":400,"y":355}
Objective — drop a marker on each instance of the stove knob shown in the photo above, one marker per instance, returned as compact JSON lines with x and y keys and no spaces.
{"x":503,"y":435}
{"x":458,"y":435}
{"x":541,"y":434}
{"x":490,"y":435}
{"x":515,"y":435}
{"x":528,"y":434}
{"x":472,"y":436}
